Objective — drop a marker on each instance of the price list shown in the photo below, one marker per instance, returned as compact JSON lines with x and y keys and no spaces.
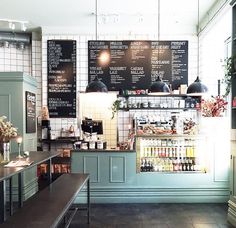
{"x":61,"y":78}
{"x":136,"y":64}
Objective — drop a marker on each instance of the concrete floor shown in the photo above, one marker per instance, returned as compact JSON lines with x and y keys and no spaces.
{"x":154,"y":215}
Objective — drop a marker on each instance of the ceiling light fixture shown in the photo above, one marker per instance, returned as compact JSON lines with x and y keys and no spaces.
{"x":10,"y":25}
{"x":6,"y":44}
{"x":96,"y":85}
{"x":23,"y":27}
{"x":197,"y":88}
{"x":20,"y":46}
{"x":13,"y":24}
{"x":159,"y":87}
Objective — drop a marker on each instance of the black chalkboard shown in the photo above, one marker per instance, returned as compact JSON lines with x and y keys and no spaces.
{"x":136,"y":64}
{"x":61,"y":62}
{"x":30,"y":112}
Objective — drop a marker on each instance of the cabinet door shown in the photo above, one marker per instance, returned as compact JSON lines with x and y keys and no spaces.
{"x":232,"y":201}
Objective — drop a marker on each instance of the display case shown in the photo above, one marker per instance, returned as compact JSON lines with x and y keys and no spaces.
{"x":170,"y":153}
{"x":166,"y":130}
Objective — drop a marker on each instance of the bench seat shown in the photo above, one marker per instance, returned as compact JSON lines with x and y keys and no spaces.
{"x":48,"y":207}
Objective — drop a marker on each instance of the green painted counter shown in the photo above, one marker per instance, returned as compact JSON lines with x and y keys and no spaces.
{"x":114,"y":180}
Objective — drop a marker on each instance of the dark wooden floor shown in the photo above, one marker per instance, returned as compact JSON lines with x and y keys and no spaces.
{"x":154,"y":215}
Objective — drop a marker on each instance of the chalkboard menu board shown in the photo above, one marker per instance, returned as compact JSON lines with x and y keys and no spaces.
{"x":61,"y":59}
{"x":136,"y":64}
{"x":30,"y":112}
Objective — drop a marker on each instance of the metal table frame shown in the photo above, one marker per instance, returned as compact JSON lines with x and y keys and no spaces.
{"x":37,"y":157}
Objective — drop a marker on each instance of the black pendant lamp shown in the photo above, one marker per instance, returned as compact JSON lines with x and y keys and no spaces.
{"x":96,"y":85}
{"x":159,"y":87}
{"x":197,"y":88}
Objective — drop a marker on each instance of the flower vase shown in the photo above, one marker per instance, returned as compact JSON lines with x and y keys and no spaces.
{"x":5,"y":151}
{"x":1,"y":151}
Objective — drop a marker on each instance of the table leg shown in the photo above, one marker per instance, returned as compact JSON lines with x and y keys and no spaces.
{"x":20,"y":186}
{"x":10,"y":197}
{"x":2,"y":201}
{"x":88,"y":201}
{"x":49,"y":170}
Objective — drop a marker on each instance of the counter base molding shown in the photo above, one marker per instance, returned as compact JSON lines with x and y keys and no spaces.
{"x":232,"y":213}
{"x":156,"y":195}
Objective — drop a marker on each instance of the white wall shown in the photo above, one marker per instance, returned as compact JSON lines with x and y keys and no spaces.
{"x":212,"y":50}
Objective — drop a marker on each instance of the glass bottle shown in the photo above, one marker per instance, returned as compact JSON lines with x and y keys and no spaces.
{"x":171,"y":166}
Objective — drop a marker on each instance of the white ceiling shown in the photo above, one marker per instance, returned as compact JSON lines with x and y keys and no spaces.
{"x":125,"y":15}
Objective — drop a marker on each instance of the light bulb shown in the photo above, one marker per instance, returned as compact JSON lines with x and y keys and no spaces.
{"x":19,"y":140}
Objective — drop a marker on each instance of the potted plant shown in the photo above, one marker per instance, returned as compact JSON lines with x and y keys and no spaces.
{"x":115,"y":107}
{"x":229,"y":71}
{"x":7,"y":132}
{"x":213,"y":107}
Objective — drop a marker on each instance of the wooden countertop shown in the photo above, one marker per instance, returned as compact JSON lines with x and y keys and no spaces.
{"x":36,"y":156}
{"x":104,"y":150}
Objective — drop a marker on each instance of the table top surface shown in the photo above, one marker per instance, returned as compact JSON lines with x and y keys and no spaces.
{"x":48,"y":207}
{"x":36,"y":156}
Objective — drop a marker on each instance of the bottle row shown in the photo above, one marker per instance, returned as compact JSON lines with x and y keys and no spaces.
{"x":162,"y":152}
{"x":169,"y":165}
{"x":168,"y":142}
{"x":166,"y":103}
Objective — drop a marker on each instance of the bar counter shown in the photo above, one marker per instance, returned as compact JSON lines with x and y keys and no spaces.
{"x":114,"y":179}
{"x":104,"y":151}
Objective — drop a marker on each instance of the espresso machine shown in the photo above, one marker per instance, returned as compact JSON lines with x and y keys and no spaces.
{"x":91,"y":129}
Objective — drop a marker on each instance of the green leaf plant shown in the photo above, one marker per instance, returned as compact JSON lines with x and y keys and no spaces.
{"x":115,"y":108}
{"x":229,"y":72}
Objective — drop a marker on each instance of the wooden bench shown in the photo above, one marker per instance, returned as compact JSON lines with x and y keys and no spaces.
{"x":48,"y":207}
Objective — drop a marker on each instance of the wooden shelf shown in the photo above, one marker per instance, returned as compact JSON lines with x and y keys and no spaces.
{"x":60,"y":140}
{"x":146,"y":95}
{"x":172,"y":172}
{"x":184,"y":109}
{"x":61,"y":160}
{"x":167,"y":136}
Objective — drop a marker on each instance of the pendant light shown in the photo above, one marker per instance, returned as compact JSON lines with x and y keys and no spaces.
{"x":197,"y":88}
{"x":159,"y":87}
{"x":96,"y":85}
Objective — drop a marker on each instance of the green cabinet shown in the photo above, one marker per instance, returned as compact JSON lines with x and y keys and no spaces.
{"x":13,"y":87}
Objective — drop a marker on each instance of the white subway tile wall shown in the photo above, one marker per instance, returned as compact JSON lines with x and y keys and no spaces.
{"x":13,"y":59}
{"x":34,"y":61}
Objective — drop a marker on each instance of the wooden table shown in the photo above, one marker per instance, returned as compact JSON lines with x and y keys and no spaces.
{"x":37,"y":157}
{"x":49,"y":207}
